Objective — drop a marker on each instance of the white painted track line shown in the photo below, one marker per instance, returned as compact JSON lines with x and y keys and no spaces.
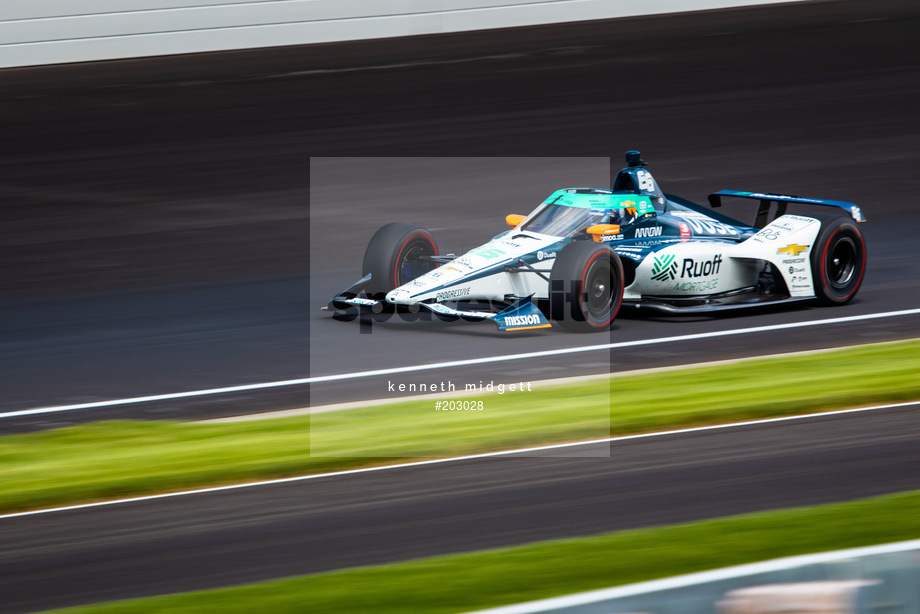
{"x":456,"y":363}
{"x":442,"y":461}
{"x":557,"y":604}
{"x":561,"y":381}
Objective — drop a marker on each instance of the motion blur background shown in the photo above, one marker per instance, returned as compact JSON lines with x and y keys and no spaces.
{"x":175,"y":223}
{"x":156,"y":212}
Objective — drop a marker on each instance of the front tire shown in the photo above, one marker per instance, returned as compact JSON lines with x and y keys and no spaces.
{"x":586,"y":286}
{"x":396,"y":255}
{"x":838,"y":260}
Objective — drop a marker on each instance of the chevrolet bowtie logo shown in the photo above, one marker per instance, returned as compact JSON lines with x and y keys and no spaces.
{"x":792,"y":250}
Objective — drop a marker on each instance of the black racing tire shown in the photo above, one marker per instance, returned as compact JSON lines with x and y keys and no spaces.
{"x":392,"y":257}
{"x":586,"y":287}
{"x":838,"y":260}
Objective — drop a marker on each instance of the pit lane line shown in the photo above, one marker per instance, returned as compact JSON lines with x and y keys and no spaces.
{"x":455,"y":459}
{"x":455,"y":363}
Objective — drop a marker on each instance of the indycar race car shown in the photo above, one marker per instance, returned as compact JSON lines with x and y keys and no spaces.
{"x":586,"y":253}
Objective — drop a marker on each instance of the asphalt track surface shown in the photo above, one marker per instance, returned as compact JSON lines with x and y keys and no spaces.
{"x":175,"y":224}
{"x":225,"y":538}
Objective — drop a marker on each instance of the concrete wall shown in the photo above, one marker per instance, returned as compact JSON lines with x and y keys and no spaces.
{"x":35,"y":32}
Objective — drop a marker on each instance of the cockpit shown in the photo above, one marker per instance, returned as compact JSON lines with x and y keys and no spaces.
{"x":572,"y":211}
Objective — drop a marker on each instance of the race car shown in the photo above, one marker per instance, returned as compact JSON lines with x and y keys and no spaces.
{"x":586,"y":253}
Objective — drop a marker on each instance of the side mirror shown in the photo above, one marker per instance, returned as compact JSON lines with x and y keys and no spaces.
{"x":513,"y":219}
{"x":599,"y":231}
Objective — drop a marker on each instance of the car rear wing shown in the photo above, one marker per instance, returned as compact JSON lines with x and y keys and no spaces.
{"x":782,"y":200}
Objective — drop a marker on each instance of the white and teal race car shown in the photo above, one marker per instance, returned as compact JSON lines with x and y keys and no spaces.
{"x":586,"y":253}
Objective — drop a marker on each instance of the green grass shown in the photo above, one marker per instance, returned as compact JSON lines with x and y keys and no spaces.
{"x":497,"y":577}
{"x":118,"y":459}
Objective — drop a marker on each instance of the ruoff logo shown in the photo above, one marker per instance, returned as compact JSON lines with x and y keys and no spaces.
{"x":664,"y":268}
{"x":692,"y":268}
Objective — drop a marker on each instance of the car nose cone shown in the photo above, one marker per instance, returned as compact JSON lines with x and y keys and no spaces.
{"x":398,"y":297}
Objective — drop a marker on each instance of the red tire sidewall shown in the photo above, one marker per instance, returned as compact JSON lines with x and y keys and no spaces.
{"x":581,"y":286}
{"x":403,"y":246}
{"x":822,"y":264}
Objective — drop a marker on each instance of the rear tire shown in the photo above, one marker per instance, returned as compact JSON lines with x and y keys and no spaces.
{"x":838,"y":260}
{"x":393,"y":257}
{"x":586,"y":287}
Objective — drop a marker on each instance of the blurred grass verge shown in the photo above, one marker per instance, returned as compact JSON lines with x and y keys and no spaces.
{"x":107,"y":460}
{"x":461,"y":583}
